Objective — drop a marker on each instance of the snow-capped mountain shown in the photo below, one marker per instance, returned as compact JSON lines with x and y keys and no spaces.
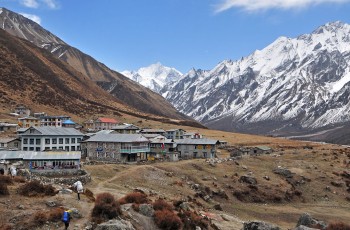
{"x":154,"y":76}
{"x":293,"y":84}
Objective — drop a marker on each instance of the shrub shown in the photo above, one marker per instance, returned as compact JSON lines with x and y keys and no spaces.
{"x":19,"y":179}
{"x":166,"y":219}
{"x":5,"y":227}
{"x":106,"y":208}
{"x":4,"y":190}
{"x":5,"y":180}
{"x":161,"y":204}
{"x":134,"y":197}
{"x":338,"y":226}
{"x":39,"y":218}
{"x":89,"y":194}
{"x":35,"y":188}
{"x":190,"y":220}
{"x":55,"y":215}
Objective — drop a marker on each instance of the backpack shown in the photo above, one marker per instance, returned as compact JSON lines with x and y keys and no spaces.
{"x":65,"y":217}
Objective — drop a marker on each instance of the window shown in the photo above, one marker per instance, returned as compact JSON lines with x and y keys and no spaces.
{"x":73,"y":140}
{"x":79,"y":140}
{"x":37,"y":149}
{"x":47,"y":141}
{"x":54,"y":140}
{"x":25,"y":148}
{"x":60,"y":140}
{"x":31,"y":141}
{"x":31,"y":131}
{"x":16,"y":144}
{"x":54,"y":148}
{"x":67,"y":140}
{"x":73,"y":148}
{"x":31,"y":149}
{"x":2,"y":144}
{"x":66,"y":148}
{"x":25,"y":141}
{"x":37,"y":141}
{"x":60,"y":148}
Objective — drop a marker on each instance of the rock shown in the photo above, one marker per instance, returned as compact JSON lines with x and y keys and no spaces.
{"x":307,"y":220}
{"x":66,"y":191}
{"x":115,"y":225}
{"x":169,"y":174}
{"x":244,"y":167}
{"x":146,"y":210}
{"x":302,"y":227}
{"x":206,"y":198}
{"x":218,"y":207}
{"x":283,"y":172}
{"x":198,"y":228}
{"x":337,"y":183}
{"x":21,"y":206}
{"x":266,"y":177}
{"x":248,"y":179}
{"x":206,"y":178}
{"x":258,"y":225}
{"x":75,"y":213}
{"x":51,"y":203}
{"x":185,"y":206}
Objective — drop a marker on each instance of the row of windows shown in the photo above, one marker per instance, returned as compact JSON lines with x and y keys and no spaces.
{"x":66,"y":148}
{"x":52,"y":140}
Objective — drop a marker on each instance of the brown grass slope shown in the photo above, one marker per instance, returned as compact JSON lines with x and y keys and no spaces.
{"x":126,"y":90}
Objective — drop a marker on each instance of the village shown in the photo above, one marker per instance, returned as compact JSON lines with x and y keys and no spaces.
{"x":43,"y":143}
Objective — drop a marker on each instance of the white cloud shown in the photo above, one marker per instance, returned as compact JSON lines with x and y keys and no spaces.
{"x":30,"y":3}
{"x":32,"y":17}
{"x":256,"y":5}
{"x":52,"y":4}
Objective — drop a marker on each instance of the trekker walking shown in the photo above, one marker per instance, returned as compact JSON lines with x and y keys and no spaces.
{"x":79,"y":187}
{"x":66,"y":218}
{"x":13,"y":172}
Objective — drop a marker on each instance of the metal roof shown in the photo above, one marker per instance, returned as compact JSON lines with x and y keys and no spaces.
{"x":152,"y":131}
{"x":31,"y":155}
{"x":54,"y":131}
{"x":201,"y":141}
{"x":7,"y":139}
{"x":264,"y":148}
{"x":153,"y":135}
{"x":68,"y":122}
{"x":119,"y":138}
{"x":128,"y":126}
{"x":161,"y":141}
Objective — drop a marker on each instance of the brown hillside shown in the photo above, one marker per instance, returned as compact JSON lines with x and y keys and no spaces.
{"x":127,"y":91}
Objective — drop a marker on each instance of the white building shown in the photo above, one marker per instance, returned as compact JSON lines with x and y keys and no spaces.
{"x":51,"y":138}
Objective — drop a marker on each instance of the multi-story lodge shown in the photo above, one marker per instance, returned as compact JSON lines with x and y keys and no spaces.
{"x":117,"y":147}
{"x":56,"y":121}
{"x":51,"y":138}
{"x":125,"y":129}
{"x":26,"y":122}
{"x":196,"y":148}
{"x":175,"y":134}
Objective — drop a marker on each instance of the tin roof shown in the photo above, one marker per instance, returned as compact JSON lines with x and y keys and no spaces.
{"x":31,"y":155}
{"x":55,"y":131}
{"x":264,"y":148}
{"x":202,"y":141}
{"x":107,"y":120}
{"x":126,"y":126}
{"x":118,"y":138}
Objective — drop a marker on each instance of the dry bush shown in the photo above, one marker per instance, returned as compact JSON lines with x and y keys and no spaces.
{"x":136,"y":207}
{"x":55,"y":215}
{"x":190,"y":220}
{"x":166,"y":219}
{"x":35,"y":188}
{"x":4,"y":190}
{"x":5,"y":180}
{"x":19,"y":179}
{"x":39,"y":218}
{"x":161,"y":204}
{"x":89,"y":194}
{"x":134,"y":197}
{"x":106,"y":208}
{"x":338,"y":226}
{"x":5,"y":227}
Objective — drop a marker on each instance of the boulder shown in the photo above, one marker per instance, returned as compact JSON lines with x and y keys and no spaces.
{"x":146,"y":210}
{"x":259,"y":225}
{"x":248,"y":179}
{"x":283,"y":172}
{"x":185,"y":206}
{"x":51,"y":203}
{"x":76,"y":213}
{"x":218,"y":207}
{"x":66,"y":191}
{"x":115,"y":225}
{"x":307,"y":220}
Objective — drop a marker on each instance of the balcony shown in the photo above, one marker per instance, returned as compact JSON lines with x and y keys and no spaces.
{"x":135,"y":149}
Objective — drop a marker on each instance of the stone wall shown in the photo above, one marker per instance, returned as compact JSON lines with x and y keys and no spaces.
{"x":60,"y":177}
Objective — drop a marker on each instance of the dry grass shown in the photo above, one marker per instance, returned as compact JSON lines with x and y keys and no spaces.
{"x":35,"y":188}
{"x":134,"y":197}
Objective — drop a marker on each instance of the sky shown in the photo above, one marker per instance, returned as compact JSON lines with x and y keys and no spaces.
{"x":184,"y":34}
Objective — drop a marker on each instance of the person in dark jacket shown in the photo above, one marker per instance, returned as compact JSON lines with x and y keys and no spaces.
{"x":66,"y":218}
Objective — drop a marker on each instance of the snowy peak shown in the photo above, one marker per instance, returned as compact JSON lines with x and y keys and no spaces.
{"x":155,"y":76}
{"x":302,"y":82}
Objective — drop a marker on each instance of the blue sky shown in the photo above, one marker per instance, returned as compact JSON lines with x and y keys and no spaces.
{"x":129,"y":34}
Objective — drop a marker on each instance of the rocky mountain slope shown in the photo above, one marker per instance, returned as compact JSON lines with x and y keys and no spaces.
{"x":113,"y":82}
{"x":155,"y":76}
{"x":34,"y":77}
{"x":294,"y":85}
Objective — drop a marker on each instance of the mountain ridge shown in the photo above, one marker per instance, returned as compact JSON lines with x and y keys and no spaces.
{"x":298,"y":82}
